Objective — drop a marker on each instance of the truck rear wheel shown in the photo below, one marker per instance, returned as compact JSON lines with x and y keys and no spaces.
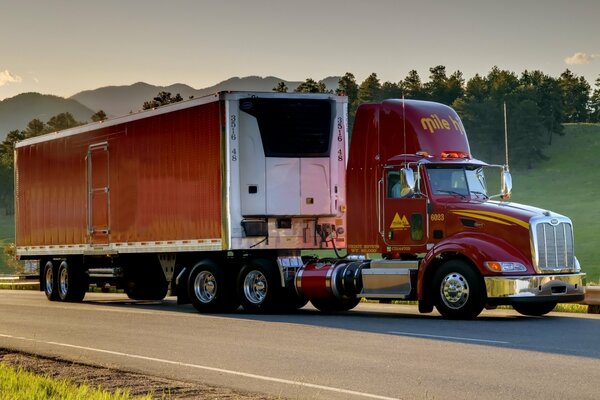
{"x":459,"y":291}
{"x":534,"y":309}
{"x":50,"y":281}
{"x":210,"y":289}
{"x":259,"y":286}
{"x":72,"y":284}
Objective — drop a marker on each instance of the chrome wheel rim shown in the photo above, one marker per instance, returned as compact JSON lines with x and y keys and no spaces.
{"x":454,"y":291}
{"x":205,"y":287}
{"x":63,"y":280}
{"x":255,"y":287}
{"x":49,"y":279}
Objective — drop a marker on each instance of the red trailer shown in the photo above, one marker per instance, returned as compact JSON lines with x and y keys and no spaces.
{"x":211,"y":196}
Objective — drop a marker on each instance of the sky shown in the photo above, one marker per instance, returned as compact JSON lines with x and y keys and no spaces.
{"x":63,"y":47}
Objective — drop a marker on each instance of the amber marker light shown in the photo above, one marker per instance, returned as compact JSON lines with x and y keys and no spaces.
{"x":505,"y":266}
{"x":494,"y":266}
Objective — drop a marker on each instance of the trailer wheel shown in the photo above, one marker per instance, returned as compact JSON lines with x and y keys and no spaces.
{"x":459,"y":291}
{"x":534,"y":309}
{"x":72,"y":284}
{"x":210,"y":289}
{"x":50,"y":281}
{"x":335,"y":304}
{"x":259,"y":286}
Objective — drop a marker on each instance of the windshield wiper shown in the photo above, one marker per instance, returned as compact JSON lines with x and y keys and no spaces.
{"x":452,"y":192}
{"x":485,"y":196}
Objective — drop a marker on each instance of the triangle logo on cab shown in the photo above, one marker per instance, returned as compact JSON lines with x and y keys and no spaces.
{"x":399,"y":223}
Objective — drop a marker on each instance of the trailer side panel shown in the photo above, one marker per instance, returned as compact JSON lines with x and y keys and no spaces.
{"x":152,"y":179}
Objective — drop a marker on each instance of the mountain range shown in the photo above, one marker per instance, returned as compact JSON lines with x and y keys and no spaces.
{"x":16,"y":112}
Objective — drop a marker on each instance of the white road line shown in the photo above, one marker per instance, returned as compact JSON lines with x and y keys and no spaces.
{"x":206,"y":368}
{"x":425,"y":335}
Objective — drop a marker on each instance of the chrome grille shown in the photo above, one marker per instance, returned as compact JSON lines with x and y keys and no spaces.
{"x":554,"y":246}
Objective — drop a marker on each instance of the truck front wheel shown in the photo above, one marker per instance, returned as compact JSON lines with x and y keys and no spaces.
{"x":534,"y":309}
{"x":210,"y":290}
{"x":459,"y":291}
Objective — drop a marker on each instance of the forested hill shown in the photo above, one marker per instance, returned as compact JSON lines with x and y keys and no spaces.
{"x":16,"y":112}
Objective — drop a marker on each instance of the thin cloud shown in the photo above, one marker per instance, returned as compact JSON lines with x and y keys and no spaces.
{"x":581,"y":58}
{"x":7,"y":77}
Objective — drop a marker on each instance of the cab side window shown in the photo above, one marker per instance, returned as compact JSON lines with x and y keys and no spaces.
{"x":393,"y":184}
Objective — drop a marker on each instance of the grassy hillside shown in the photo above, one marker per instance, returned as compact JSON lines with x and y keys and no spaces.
{"x":568,"y":183}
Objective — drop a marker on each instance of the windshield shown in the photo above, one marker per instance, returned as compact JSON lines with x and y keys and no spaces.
{"x":459,"y":181}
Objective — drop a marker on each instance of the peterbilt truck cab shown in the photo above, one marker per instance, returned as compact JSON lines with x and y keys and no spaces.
{"x":418,"y":197}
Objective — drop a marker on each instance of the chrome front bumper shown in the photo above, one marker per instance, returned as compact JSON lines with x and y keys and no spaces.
{"x":560,"y":288}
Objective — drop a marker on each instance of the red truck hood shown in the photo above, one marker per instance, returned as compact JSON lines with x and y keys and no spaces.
{"x":499,"y":212}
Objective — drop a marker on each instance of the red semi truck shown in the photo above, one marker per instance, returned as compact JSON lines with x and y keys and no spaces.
{"x":216,"y":198}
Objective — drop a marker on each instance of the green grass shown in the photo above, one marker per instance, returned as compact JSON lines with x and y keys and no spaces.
{"x":17,"y":384}
{"x":569,"y":184}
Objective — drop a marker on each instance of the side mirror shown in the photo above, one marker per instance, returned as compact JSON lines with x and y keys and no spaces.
{"x":407,"y":182}
{"x":506,"y":184}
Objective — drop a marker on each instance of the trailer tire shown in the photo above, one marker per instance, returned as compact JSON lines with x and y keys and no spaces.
{"x":50,"y":281}
{"x":534,"y":309}
{"x":458,"y":290}
{"x":210,"y":289}
{"x":72,"y":283}
{"x":259,"y":287}
{"x":335,"y":305}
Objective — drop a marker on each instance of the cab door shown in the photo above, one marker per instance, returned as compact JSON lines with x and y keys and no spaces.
{"x":404,"y":214}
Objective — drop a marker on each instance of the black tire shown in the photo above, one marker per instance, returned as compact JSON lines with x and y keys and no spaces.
{"x":459,"y":291}
{"x":71,"y":283}
{"x":50,"y":281}
{"x":259,"y":287}
{"x":210,"y":289}
{"x":335,"y":305}
{"x":534,"y":309}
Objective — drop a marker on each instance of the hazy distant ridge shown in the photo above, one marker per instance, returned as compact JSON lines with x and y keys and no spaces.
{"x":121,"y":100}
{"x":17,"y":111}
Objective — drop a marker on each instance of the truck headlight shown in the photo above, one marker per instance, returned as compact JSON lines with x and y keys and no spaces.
{"x":505,"y":266}
{"x":577,"y":265}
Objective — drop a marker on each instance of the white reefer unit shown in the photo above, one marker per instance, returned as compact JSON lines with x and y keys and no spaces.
{"x":287,"y":162}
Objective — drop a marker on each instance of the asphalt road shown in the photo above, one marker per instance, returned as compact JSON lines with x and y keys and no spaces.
{"x":373,"y":352}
